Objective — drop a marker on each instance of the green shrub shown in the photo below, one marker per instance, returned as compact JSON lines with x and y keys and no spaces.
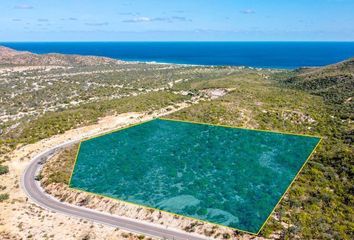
{"x":4,"y":169}
{"x":4,"y":196}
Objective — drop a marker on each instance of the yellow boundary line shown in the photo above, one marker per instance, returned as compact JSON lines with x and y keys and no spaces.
{"x":288,"y":188}
{"x":188,"y":217}
{"x":250,"y":129}
{"x":157,"y":209}
{"x":100,"y":135}
{"x":77,"y":156}
{"x":117,"y":130}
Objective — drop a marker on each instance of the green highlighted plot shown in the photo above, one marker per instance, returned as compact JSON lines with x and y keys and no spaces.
{"x":228,"y":176}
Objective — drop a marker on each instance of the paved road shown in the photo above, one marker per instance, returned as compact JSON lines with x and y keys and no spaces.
{"x":35,"y":192}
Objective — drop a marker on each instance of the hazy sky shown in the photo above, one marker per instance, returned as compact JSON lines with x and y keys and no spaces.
{"x":188,"y":20}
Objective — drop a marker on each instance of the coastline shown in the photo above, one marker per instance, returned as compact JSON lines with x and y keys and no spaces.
{"x":163,"y":63}
{"x":257,"y":55}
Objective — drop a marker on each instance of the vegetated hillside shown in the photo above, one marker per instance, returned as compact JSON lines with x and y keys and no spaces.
{"x":10,"y":56}
{"x":335,"y":83}
{"x":320,"y":203}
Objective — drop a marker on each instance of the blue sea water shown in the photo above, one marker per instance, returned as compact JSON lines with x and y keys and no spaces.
{"x":287,"y":55}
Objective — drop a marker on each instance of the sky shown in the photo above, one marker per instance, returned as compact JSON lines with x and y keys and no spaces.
{"x":177,"y":20}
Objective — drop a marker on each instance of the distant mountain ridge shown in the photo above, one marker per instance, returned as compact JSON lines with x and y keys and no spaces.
{"x":10,"y":56}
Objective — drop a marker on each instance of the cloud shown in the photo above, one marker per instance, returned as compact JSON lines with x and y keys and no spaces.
{"x":182,"y":19}
{"x":157,"y":19}
{"x":248,"y":11}
{"x":69,"y":19}
{"x":97,"y":24}
{"x":42,"y":20}
{"x":23,"y":6}
{"x":138,"y":20}
{"x":129,"y":13}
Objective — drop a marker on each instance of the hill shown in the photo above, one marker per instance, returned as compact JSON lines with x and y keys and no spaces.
{"x":315,"y":101}
{"x":335,"y":83}
{"x":12,"y":57}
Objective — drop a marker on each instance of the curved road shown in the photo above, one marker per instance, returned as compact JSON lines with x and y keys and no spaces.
{"x":35,"y":192}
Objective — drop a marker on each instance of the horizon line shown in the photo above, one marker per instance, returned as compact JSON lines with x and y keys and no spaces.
{"x":185,"y":41}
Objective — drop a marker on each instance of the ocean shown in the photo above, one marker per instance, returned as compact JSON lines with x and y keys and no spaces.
{"x":285,"y":55}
